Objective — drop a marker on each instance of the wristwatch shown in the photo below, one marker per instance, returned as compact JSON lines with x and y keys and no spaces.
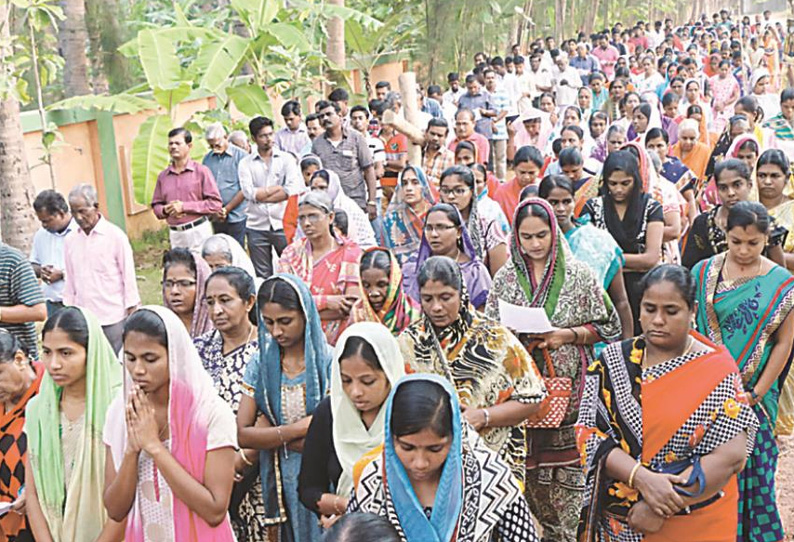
{"x":372,"y":202}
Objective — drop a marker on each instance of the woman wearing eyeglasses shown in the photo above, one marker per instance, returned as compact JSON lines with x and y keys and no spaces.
{"x":184,"y":276}
{"x":457,"y":187}
{"x":445,"y":234}
{"x":326,"y":262}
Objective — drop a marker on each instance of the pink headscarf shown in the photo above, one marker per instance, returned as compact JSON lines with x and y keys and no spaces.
{"x":194,"y":409}
{"x":733,"y":150}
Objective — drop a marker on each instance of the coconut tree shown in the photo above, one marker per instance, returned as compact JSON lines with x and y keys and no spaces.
{"x":73,"y":38}
{"x":17,"y":220}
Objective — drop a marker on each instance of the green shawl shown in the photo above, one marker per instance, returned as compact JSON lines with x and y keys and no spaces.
{"x":76,"y":512}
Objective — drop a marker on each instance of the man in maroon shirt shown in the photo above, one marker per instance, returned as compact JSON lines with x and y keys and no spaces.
{"x":464,"y":131}
{"x":186,"y":195}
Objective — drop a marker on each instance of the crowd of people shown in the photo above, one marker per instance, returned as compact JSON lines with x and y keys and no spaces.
{"x":571,"y":319}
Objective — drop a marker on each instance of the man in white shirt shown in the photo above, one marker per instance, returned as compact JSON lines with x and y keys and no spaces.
{"x":455,"y":90}
{"x":532,"y":82}
{"x":268,"y":177}
{"x":46,"y":256}
{"x":566,"y":81}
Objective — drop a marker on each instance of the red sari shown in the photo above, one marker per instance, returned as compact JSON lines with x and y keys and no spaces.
{"x":331,"y":275}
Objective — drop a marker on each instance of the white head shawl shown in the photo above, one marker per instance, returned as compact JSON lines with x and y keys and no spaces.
{"x":351,"y":438}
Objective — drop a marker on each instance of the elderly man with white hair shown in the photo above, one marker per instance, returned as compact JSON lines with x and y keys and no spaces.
{"x":566,"y":81}
{"x":584,"y":63}
{"x":223,"y":160}
{"x":98,"y":266}
{"x":239,"y":139}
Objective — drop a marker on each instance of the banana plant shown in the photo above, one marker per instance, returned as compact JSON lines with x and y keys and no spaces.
{"x":281,"y":46}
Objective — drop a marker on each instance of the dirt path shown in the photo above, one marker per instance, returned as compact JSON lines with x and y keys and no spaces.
{"x":784,"y":484}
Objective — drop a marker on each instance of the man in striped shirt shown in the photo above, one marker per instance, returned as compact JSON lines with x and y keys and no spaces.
{"x":21,"y":301}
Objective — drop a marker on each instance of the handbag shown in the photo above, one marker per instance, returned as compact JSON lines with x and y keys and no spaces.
{"x":696,"y":476}
{"x":555,"y":405}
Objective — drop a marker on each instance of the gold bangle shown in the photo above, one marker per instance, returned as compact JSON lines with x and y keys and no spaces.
{"x":280,"y":436}
{"x":245,"y":459}
{"x":633,"y":473}
{"x":336,"y":506}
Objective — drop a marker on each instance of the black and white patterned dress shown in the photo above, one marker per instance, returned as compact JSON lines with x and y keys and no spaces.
{"x":227,"y":373}
{"x":494,"y":510}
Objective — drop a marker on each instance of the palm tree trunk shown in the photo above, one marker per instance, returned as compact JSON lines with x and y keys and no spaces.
{"x":590,"y":17}
{"x":73,"y":38}
{"x":335,"y":48}
{"x":17,"y":220}
{"x":99,"y":78}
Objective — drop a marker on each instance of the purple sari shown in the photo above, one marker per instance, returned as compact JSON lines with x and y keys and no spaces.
{"x":475,"y":274}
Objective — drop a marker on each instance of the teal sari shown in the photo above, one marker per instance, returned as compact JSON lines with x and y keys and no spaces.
{"x":596,"y":248}
{"x":744,"y":315}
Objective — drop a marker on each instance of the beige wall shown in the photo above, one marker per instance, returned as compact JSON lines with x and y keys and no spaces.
{"x":75,"y":159}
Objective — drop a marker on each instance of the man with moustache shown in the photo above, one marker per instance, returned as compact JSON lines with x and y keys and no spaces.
{"x":186,"y":195}
{"x":345,"y":152}
{"x":436,"y":157}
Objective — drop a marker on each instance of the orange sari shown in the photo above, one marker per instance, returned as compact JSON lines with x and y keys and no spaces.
{"x":691,"y":384}
{"x":679,"y":409}
{"x":696,"y":160}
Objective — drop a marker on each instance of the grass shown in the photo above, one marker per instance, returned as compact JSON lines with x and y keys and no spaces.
{"x":148,"y":253}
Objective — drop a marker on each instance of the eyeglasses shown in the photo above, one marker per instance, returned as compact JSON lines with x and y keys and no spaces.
{"x":439,"y":228}
{"x":311,"y":219}
{"x":458,"y":191}
{"x":181,"y":284}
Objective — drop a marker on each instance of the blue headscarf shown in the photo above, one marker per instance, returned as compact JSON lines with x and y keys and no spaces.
{"x":267,"y":393}
{"x":449,"y":496}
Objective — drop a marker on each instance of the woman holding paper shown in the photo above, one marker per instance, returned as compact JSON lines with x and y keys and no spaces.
{"x":496,"y":379}
{"x":589,"y":244}
{"x":542,"y":273}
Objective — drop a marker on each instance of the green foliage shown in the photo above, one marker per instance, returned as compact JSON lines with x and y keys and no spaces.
{"x":118,"y":103}
{"x":218,"y":60}
{"x":250,"y":100}
{"x":17,"y":74}
{"x":159,"y":59}
{"x":149,"y":156}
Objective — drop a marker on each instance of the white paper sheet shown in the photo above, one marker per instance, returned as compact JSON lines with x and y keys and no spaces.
{"x":524,"y":319}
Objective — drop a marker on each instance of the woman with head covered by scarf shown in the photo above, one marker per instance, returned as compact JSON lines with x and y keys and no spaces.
{"x":282,"y":387}
{"x":350,"y":421}
{"x":434,"y":480}
{"x":170,"y":438}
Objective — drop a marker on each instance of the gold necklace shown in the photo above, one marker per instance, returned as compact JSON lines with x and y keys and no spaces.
{"x":725,"y":268}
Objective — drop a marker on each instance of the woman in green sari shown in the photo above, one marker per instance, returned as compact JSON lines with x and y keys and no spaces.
{"x":66,"y":456}
{"x":745,"y":302}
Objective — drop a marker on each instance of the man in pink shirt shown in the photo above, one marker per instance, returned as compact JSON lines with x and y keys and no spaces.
{"x":98,"y":266}
{"x":186,"y":195}
{"x":607,"y":56}
{"x":464,"y":131}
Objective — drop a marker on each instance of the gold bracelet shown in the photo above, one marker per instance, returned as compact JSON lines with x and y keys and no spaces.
{"x":336,"y":506}
{"x":245,"y":459}
{"x":280,"y":436}
{"x":633,"y":473}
